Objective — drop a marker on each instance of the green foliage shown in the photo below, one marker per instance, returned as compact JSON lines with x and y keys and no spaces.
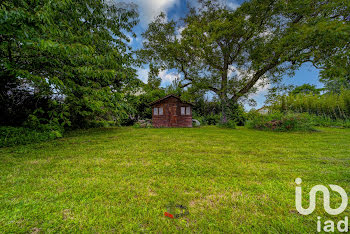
{"x":215,"y":119}
{"x":252,"y":114}
{"x":137,"y":125}
{"x":336,"y":73}
{"x":336,"y":84}
{"x":153,"y":81}
{"x":67,"y":62}
{"x":11,"y":136}
{"x":208,"y":112}
{"x":334,"y":106}
{"x":211,"y":119}
{"x":143,"y":124}
{"x":203,"y":106}
{"x":201,"y":119}
{"x":306,"y":89}
{"x":229,"y":124}
{"x":237,"y":114}
{"x":141,"y":103}
{"x":322,"y":121}
{"x":280,"y":122}
{"x":101,"y":124}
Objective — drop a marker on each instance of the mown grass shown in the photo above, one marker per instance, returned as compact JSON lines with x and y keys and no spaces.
{"x":122,"y":179}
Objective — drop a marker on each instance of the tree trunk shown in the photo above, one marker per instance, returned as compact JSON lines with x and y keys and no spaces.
{"x":224,"y":109}
{"x":223,"y":95}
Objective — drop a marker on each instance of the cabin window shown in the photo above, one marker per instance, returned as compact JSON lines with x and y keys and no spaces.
{"x":155,"y":111}
{"x":183,"y":109}
{"x":158,"y":111}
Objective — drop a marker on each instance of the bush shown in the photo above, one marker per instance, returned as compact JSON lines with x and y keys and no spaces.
{"x":252,"y":114}
{"x":328,"y":122}
{"x":229,"y":124}
{"x":212,"y":119}
{"x":127,"y":121}
{"x":143,"y":124}
{"x":201,"y":119}
{"x":11,"y":136}
{"x":237,"y":114}
{"x":101,"y":124}
{"x":281,"y":122}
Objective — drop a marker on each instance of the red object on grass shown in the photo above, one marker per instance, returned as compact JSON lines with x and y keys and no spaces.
{"x":168,"y":215}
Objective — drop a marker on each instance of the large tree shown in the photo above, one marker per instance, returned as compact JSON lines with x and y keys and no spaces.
{"x":233,"y":52}
{"x":335,"y":73}
{"x":65,"y":61}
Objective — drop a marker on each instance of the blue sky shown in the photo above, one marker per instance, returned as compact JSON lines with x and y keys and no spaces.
{"x":176,"y":9}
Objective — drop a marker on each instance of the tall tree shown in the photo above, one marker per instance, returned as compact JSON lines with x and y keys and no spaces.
{"x":306,"y":89}
{"x":233,"y":52}
{"x":73,"y":54}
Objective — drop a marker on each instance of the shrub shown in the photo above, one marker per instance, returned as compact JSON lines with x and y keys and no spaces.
{"x":237,"y":114}
{"x":212,"y":119}
{"x":252,"y":114}
{"x":324,"y":121}
{"x":281,"y":122}
{"x":143,"y":124}
{"x":127,"y":122}
{"x":11,"y":136}
{"x":101,"y":124}
{"x":229,"y":124}
{"x":202,"y":120}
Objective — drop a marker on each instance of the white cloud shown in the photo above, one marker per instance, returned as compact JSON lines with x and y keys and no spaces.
{"x":142,"y":74}
{"x":151,"y":8}
{"x":233,"y":5}
{"x":179,"y":31}
{"x":263,"y":87}
{"x":167,"y":76}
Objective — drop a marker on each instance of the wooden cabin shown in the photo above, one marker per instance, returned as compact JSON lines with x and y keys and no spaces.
{"x":170,"y":111}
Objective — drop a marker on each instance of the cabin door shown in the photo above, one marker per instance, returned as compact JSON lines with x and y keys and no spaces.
{"x":172,"y":115}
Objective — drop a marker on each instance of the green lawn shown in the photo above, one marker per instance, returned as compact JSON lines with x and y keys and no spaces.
{"x":122,"y":179}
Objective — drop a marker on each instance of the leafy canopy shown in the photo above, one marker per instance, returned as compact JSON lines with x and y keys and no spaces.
{"x":71,"y":57}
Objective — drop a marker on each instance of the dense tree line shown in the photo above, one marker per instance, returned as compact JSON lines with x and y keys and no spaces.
{"x":65,"y":63}
{"x":331,"y":105}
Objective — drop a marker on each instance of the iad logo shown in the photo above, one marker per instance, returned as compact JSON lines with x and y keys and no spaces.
{"x":328,"y":225}
{"x":326,"y":199}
